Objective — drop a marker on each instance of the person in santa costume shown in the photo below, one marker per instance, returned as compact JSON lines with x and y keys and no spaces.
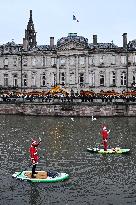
{"x":34,"y":156}
{"x":105,"y":135}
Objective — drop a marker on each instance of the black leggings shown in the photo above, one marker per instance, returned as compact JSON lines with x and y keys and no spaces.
{"x":33,"y":169}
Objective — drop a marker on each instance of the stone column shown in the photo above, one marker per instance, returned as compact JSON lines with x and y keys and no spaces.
{"x":87,"y":73}
{"x":118,"y":79}
{"x":107,"y":78}
{"x":43,"y":61}
{"x":58,"y":65}
{"x":67,"y":71}
{"x":77,"y":64}
{"x":97,"y":79}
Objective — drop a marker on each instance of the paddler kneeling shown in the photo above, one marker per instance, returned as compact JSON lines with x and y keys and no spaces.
{"x":34,"y":156}
{"x":105,"y":135}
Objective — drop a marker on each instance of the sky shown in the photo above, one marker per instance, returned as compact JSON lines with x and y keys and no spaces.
{"x":108,"y":19}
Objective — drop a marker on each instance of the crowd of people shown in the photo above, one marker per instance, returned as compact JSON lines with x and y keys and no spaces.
{"x":83,"y":96}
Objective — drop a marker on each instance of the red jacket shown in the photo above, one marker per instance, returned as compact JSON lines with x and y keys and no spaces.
{"x":104,"y":134}
{"x":33,"y":153}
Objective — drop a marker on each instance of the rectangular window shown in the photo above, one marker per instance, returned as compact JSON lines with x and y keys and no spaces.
{"x":72,"y":78}
{"x":24,"y":80}
{"x":81,"y":78}
{"x":14,"y":61}
{"x":43,"y":80}
{"x":6,"y":63}
{"x":55,"y":82}
{"x":101,"y":80}
{"x":5,"y":80}
{"x":15,"y":83}
{"x":123,"y":79}
{"x":113,"y":78}
{"x":62,"y":78}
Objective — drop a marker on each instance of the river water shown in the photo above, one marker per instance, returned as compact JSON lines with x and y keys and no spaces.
{"x":94,"y":179}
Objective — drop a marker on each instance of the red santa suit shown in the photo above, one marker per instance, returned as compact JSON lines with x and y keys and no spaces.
{"x":105,"y":135}
{"x":33,"y":152}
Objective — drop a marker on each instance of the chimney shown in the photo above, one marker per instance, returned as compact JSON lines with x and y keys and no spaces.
{"x":125,"y":40}
{"x":51,"y":42}
{"x":25,"y":44}
{"x":95,"y":39}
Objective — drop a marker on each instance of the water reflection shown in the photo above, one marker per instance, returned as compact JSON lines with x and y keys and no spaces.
{"x":94,"y":179}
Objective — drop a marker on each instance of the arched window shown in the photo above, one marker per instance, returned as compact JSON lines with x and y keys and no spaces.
{"x":123,"y":78}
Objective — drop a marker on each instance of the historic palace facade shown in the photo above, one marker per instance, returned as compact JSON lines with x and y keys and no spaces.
{"x":72,"y":63}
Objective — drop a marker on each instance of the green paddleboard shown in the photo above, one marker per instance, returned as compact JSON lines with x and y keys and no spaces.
{"x":109,"y":151}
{"x":41,"y":176}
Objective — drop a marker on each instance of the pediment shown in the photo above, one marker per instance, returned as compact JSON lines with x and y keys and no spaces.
{"x":72,"y":46}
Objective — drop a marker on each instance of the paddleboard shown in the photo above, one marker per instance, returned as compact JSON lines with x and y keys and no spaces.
{"x":41,"y":176}
{"x":116,"y":150}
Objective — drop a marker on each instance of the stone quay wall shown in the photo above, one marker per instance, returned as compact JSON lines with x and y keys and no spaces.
{"x":69,"y":109}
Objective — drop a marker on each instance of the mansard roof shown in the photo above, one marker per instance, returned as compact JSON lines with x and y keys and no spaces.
{"x":12,"y":43}
{"x":44,"y":47}
{"x":102,"y":45}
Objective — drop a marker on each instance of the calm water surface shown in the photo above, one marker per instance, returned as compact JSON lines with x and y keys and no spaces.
{"x":94,"y":179}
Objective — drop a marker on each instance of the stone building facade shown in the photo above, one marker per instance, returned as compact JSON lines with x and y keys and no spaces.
{"x":72,"y":63}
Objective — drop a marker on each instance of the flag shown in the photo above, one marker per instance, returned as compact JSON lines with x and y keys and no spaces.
{"x":75,"y":19}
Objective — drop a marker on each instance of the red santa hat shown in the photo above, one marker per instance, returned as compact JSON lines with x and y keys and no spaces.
{"x":34,"y":143}
{"x":104,"y":127}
